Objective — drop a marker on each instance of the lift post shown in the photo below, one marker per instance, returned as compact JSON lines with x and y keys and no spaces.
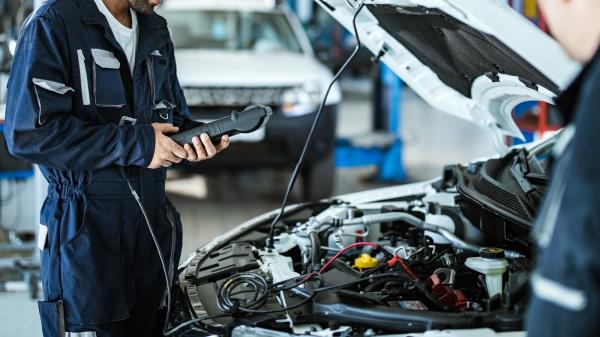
{"x":392,"y":165}
{"x":385,"y":148}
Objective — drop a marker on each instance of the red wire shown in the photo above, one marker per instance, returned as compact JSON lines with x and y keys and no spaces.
{"x":338,"y":254}
{"x":407,"y":270}
{"x":358,"y":244}
{"x":345,"y":249}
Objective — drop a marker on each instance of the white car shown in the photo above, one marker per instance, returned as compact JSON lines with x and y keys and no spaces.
{"x":231,"y":54}
{"x":447,"y":257}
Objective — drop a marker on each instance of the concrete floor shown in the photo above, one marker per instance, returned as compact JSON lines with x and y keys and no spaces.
{"x":432,"y":140}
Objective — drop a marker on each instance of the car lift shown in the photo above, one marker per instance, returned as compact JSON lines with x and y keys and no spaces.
{"x":386,"y":148}
{"x":383,"y":147}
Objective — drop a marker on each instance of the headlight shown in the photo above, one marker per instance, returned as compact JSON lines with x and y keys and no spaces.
{"x":302,"y":100}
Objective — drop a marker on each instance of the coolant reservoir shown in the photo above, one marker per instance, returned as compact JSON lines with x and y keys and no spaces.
{"x":493,"y":265}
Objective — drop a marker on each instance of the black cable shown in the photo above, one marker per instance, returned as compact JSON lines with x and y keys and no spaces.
{"x":315,"y":291}
{"x":228,"y":303}
{"x":285,"y":285}
{"x":273,"y":311}
{"x":300,"y":161}
{"x":374,"y":270}
{"x":287,"y":308}
{"x":315,"y":253}
{"x":194,"y":321}
{"x":158,"y":250}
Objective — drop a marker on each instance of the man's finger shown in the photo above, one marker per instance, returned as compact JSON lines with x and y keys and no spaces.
{"x":208,"y":145}
{"x":223,"y":144}
{"x":178,"y":150}
{"x":200,"y":151}
{"x":191,"y":154}
{"x":166,"y":163}
{"x":167,"y":155}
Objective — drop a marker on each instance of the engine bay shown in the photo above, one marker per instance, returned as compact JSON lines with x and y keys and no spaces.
{"x":429,"y":258}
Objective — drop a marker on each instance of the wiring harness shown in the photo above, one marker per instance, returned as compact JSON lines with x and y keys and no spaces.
{"x":257,"y":290}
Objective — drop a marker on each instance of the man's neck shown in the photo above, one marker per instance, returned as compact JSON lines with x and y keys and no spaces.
{"x":120,"y":10}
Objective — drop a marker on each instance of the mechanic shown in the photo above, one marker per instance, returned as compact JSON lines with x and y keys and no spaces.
{"x":92,"y":94}
{"x":566,"y":285}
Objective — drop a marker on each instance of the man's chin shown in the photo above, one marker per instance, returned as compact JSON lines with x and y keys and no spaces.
{"x":143,"y":6}
{"x":148,"y":11}
{"x":144,"y":11}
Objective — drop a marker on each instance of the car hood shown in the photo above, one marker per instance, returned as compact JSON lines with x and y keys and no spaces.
{"x":476,"y":60}
{"x":240,"y":68}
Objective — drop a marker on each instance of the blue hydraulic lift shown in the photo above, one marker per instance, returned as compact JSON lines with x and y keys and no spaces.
{"x":387,"y":156}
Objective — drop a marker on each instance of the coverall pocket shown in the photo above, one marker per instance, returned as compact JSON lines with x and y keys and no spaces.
{"x":52,"y":99}
{"x":108,"y":86}
{"x":50,"y":218}
{"x":51,"y":315}
{"x":163,"y":112}
{"x":91,"y":273}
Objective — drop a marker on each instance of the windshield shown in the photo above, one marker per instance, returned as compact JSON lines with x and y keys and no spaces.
{"x":231,"y":30}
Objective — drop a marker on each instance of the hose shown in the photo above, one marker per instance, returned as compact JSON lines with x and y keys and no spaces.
{"x":420,"y":224}
{"x":315,"y":254}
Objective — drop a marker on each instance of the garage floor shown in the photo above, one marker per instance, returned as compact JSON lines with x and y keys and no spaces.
{"x":432,"y":140}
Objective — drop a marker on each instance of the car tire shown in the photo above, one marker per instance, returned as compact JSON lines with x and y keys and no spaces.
{"x":318,"y":179}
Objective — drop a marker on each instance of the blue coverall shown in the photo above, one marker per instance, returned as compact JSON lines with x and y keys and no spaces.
{"x":566,"y":284}
{"x":69,"y":88}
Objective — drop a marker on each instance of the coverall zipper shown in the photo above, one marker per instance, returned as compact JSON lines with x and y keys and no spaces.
{"x":85,"y":90}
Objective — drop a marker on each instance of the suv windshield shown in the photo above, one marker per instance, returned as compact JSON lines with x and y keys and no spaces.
{"x":231,"y":30}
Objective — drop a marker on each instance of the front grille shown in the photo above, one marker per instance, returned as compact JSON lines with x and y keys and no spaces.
{"x":234,"y":97}
{"x":204,"y":113}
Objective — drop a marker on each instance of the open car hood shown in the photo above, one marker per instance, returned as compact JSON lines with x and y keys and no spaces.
{"x":474,"y":59}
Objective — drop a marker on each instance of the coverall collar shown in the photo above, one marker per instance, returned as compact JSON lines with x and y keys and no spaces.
{"x":147,"y":23}
{"x":91,"y":15}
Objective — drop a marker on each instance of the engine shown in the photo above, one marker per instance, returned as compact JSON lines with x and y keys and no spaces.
{"x":409,"y":264}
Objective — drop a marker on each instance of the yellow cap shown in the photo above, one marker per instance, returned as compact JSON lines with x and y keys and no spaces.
{"x":365,"y":261}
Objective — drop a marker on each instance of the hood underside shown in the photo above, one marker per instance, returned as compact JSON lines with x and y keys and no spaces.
{"x":476,"y":60}
{"x":455,"y":51}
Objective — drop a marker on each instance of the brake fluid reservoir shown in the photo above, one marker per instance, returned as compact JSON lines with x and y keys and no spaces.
{"x":493,"y":265}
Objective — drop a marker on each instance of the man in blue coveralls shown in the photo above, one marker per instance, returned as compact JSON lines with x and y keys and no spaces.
{"x":92,"y":93}
{"x":566,"y":285}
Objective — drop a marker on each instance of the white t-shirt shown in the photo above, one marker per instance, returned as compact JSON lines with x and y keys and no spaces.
{"x":126,"y":37}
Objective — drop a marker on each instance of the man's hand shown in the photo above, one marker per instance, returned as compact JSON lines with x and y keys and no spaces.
{"x":204,"y":148}
{"x":166,"y":150}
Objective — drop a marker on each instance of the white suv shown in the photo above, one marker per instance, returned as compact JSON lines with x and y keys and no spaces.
{"x":231,"y":54}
